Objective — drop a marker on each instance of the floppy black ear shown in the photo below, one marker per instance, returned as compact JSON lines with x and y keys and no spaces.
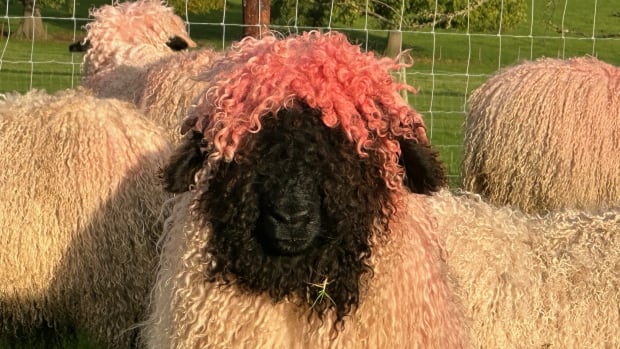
{"x":80,"y":46}
{"x":177,"y":43}
{"x":178,"y":174}
{"x":424,"y":171}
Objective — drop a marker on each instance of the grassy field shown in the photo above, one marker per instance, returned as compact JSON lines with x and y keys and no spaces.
{"x":448,"y":64}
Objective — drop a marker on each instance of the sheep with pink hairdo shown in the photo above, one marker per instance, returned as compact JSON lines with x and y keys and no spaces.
{"x":293,"y":227}
{"x":545,"y":135}
{"x":134,"y":52}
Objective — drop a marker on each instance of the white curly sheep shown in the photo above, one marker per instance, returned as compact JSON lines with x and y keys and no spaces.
{"x":123,"y":39}
{"x":79,"y":208}
{"x":545,"y":135}
{"x":141,"y":65}
{"x":529,"y":281}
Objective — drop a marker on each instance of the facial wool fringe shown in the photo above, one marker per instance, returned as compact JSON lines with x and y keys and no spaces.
{"x":353,"y":90}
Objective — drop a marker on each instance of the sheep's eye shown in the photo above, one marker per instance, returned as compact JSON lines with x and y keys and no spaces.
{"x":177,"y":43}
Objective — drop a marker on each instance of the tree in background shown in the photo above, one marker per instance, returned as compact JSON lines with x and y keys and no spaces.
{"x":256,"y":17}
{"x":308,"y":14}
{"x":484,"y":15}
{"x":397,"y":15}
{"x":31,"y":25}
{"x":256,"y":13}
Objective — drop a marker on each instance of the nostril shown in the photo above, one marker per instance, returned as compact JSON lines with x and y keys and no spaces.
{"x":279,"y":217}
{"x":287,"y":229}
{"x":300,"y":215}
{"x":289,"y":218}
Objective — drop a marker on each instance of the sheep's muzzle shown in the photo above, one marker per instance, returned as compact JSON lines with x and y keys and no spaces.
{"x":290,"y":215}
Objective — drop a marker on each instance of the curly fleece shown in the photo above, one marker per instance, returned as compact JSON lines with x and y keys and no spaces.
{"x":131,"y":33}
{"x":544,"y":135}
{"x":354,"y":91}
{"x":531,"y":281}
{"x":79,"y":218}
{"x":169,"y":86}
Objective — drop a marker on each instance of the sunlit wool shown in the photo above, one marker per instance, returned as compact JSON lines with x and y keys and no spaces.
{"x":530,"y":281}
{"x":170,"y":86}
{"x":545,"y":134}
{"x":141,"y":65}
{"x":80,"y":202}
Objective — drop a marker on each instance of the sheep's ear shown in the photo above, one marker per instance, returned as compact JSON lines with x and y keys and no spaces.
{"x":177,"y":43}
{"x":178,"y":174}
{"x":80,"y":46}
{"x":424,"y":171}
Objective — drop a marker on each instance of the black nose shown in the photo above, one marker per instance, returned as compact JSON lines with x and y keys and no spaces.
{"x":287,"y":232}
{"x":283,"y":216}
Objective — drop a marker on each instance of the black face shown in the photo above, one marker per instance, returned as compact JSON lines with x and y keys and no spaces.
{"x":298,"y":206}
{"x":177,"y":43}
{"x":287,"y":171}
{"x":289,"y":218}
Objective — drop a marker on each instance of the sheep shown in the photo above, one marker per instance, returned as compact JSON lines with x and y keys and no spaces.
{"x":170,"y":86}
{"x":80,"y":200}
{"x":526,"y":130}
{"x":141,"y":67}
{"x":531,"y":281}
{"x":124,"y":39}
{"x":289,"y":228}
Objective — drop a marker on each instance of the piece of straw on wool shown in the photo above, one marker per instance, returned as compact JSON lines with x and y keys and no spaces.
{"x":530,"y":281}
{"x":406,"y":302}
{"x":80,"y":205}
{"x":545,"y":134}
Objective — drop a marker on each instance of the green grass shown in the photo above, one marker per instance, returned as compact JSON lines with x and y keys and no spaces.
{"x":46,"y":66}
